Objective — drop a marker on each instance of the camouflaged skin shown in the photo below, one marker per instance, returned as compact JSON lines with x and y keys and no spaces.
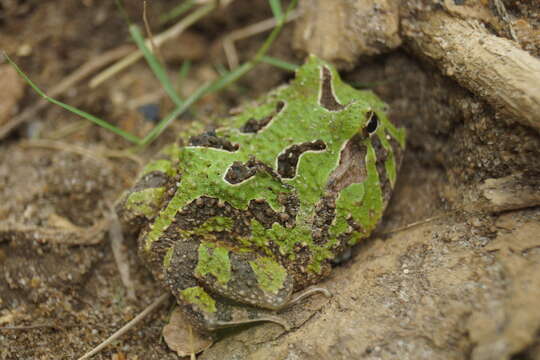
{"x":238,"y":218}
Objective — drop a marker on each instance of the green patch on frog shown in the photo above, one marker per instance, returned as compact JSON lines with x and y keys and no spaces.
{"x":270,"y":274}
{"x":145,"y":201}
{"x":215,"y":224}
{"x":214,"y":260}
{"x":200,"y":298}
{"x":167,"y":258}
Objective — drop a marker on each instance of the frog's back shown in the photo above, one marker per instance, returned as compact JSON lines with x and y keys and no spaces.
{"x":300,"y":176}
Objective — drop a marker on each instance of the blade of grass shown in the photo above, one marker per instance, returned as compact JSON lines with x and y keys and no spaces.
{"x":122,"y":9}
{"x":279,"y":63}
{"x":92,"y":118}
{"x":200,"y":92}
{"x":248,"y":31}
{"x":184,"y":70}
{"x":247,"y":66}
{"x":275,"y":5}
{"x":155,"y":65}
{"x":177,"y":11}
{"x":220,"y":69}
{"x":182,"y":75}
{"x":273,"y":35}
{"x":230,"y":77}
{"x":179,"y":110}
{"x":82,"y":72}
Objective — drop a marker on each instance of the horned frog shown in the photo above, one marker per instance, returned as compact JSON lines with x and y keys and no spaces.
{"x":238,"y":222}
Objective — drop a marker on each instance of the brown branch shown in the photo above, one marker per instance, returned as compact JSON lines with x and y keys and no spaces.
{"x":454,"y":38}
{"x":492,"y":67}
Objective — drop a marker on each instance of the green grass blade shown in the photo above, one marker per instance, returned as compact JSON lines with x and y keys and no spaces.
{"x":177,"y":11}
{"x":275,"y":5}
{"x":155,"y":65}
{"x":273,"y":35}
{"x":230,"y":77}
{"x":184,"y":71}
{"x":179,"y":110}
{"x":182,"y":75}
{"x":83,"y":114}
{"x":221,"y":69}
{"x":279,"y":63}
{"x":122,"y":9}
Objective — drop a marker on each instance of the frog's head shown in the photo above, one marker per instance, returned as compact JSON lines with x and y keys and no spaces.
{"x":356,"y":113}
{"x":355,"y":128}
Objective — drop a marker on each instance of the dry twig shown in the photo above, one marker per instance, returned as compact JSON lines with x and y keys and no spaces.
{"x":504,"y":75}
{"x":120,"y":255}
{"x":160,"y":300}
{"x":148,"y":29}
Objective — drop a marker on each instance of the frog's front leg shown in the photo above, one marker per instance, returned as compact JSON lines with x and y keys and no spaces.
{"x":142,"y":202}
{"x":220,"y":286}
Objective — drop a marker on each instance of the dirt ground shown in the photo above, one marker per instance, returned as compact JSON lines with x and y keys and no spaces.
{"x":442,"y":278}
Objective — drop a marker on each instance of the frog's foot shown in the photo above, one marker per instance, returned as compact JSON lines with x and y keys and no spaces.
{"x":209,"y":312}
{"x":218,"y":286}
{"x":243,"y":316}
{"x":301,"y":295}
{"x":220,"y":324}
{"x":142,"y":203}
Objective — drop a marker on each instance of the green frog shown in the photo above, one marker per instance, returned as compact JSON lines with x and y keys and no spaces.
{"x":242,"y":221}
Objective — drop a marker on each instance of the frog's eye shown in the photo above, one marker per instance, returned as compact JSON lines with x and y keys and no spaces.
{"x":372,"y":123}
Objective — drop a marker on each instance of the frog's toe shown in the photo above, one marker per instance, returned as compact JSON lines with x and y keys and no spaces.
{"x":229,"y":314}
{"x":209,"y":312}
{"x":214,"y":324}
{"x":301,"y":295}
